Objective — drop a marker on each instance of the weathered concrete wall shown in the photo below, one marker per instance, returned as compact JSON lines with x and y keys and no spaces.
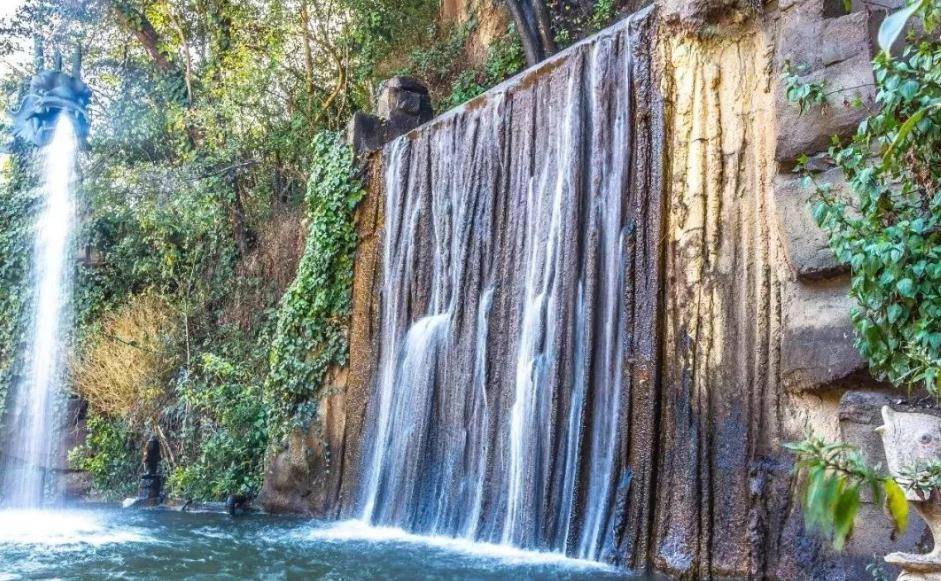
{"x":756,"y":340}
{"x":722,"y":315}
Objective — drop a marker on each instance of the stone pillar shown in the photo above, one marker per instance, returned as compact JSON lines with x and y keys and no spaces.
{"x":402,"y":105}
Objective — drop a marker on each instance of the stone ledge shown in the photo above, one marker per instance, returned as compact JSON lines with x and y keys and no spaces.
{"x":817,"y":343}
{"x":811,"y":132}
{"x":807,"y":248}
{"x":836,"y":51}
{"x":810,"y":41}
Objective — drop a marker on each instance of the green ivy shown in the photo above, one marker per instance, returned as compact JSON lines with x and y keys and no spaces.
{"x":805,"y":95}
{"x":312,"y":321}
{"x":17,"y":205}
{"x":889,"y":231}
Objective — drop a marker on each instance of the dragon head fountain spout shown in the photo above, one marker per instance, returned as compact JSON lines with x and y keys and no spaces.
{"x":52,"y":93}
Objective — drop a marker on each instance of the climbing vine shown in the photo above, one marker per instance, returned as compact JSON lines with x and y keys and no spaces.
{"x":889,"y":230}
{"x":311,"y":333}
{"x":17,"y":203}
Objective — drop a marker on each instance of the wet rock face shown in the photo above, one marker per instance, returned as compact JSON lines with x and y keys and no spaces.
{"x":554,"y":350}
{"x":317,"y":471}
{"x":514,"y":397}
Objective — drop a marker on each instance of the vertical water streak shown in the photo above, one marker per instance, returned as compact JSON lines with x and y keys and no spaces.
{"x":539,"y":308}
{"x":478,"y":444}
{"x":30,"y":450}
{"x":504,"y":377}
{"x":612,"y":161}
{"x":392,"y":296}
{"x":574,"y":440}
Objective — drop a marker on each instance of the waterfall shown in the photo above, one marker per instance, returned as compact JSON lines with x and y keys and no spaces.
{"x":30,"y":446}
{"x":519,"y":267}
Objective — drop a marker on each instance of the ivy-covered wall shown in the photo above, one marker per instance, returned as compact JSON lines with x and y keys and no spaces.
{"x":17,"y":204}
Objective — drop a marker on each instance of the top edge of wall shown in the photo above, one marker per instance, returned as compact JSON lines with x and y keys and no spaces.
{"x":514,"y":83}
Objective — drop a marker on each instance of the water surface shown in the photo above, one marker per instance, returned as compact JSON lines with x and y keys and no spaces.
{"x":110,"y":543}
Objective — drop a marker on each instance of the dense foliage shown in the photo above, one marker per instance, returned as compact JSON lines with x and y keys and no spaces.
{"x":889,"y":231}
{"x":225,"y":430}
{"x":110,"y":456}
{"x":17,"y":202}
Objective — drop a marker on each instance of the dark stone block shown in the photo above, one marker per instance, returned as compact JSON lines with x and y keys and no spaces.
{"x":403,"y":104}
{"x":407,"y":84}
{"x":364,"y":132}
{"x":817,"y":342}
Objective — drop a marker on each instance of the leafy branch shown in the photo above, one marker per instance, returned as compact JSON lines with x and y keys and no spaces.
{"x":805,"y":95}
{"x":833,"y":476}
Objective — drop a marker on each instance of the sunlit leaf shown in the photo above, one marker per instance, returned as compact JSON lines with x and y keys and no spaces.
{"x":894,"y":23}
{"x":896,"y":504}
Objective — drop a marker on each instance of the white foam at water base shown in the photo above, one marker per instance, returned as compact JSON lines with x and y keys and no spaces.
{"x":357,"y":530}
{"x":60,"y":528}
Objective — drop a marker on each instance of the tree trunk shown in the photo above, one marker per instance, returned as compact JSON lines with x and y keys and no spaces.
{"x":137,"y":24}
{"x":544,"y":26}
{"x":533,"y":24}
{"x":529,"y":39}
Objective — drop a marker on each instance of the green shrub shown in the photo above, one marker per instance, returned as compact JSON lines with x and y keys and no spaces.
{"x":505,"y":58}
{"x":111,"y":456}
{"x":602,"y":14}
{"x":227,"y":431}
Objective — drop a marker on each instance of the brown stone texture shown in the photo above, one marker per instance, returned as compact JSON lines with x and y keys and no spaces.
{"x":722,"y":318}
{"x":807,"y":247}
{"x":491,"y":19}
{"x":757,"y":338}
{"x":818,"y":341}
{"x":835,"y":51}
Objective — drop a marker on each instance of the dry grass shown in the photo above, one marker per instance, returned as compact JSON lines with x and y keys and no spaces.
{"x":124,"y":370}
